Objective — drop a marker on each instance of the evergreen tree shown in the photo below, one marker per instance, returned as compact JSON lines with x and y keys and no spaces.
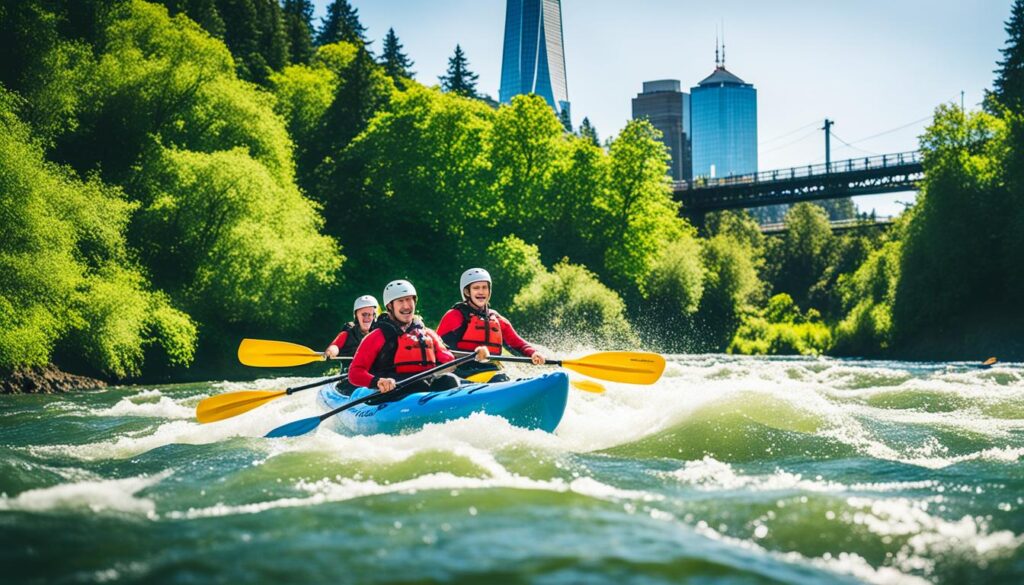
{"x":273,"y":39}
{"x":565,"y":119}
{"x":589,"y":132}
{"x":1009,"y":83}
{"x":459,"y":79}
{"x":204,"y":12}
{"x":298,"y":27}
{"x":341,"y":24}
{"x":396,"y":63}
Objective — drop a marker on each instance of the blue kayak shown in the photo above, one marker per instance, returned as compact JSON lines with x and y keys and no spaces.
{"x":533,"y":403}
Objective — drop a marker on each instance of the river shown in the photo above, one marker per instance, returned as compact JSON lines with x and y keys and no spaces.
{"x":729,"y":470}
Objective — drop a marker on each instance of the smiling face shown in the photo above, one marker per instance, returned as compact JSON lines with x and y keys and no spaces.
{"x":364,"y":317}
{"x":403,"y":309}
{"x":479,"y":294}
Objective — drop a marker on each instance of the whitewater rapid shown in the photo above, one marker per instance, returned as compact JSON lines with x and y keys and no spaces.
{"x":793,"y":469}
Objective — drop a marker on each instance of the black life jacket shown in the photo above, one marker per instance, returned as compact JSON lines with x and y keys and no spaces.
{"x":404,"y":352}
{"x":478,"y":328}
{"x":352,"y":340}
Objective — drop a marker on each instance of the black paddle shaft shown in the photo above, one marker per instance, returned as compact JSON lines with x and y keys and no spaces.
{"x":514,"y":358}
{"x":315,"y":384}
{"x":400,"y":385}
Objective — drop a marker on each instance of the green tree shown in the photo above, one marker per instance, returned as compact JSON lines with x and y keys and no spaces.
{"x":588,"y":132}
{"x":672,"y":293}
{"x":396,"y":64}
{"x":1008,"y":88}
{"x":69,"y":281}
{"x":341,"y":24}
{"x":459,"y":79}
{"x":526,"y":142}
{"x":566,"y":120}
{"x":569,"y":302}
{"x":805,"y":251}
{"x":420,"y":168}
{"x":955,"y":266}
{"x":513,"y":265}
{"x":298,"y":27}
{"x":640,"y":214}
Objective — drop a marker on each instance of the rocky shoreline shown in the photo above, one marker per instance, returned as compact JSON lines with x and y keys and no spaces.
{"x":46,"y":380}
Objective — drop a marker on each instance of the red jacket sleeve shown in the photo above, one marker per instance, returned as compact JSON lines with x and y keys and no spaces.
{"x":510,"y":338}
{"x":359,"y":372}
{"x":443,"y":354}
{"x":339,"y":341}
{"x":451,"y":321}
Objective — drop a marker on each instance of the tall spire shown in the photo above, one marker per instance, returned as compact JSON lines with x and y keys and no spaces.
{"x":723,"y":43}
{"x":716,"y":50}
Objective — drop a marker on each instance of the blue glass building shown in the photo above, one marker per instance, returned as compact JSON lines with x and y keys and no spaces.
{"x":533,"y":60}
{"x":723,"y":110}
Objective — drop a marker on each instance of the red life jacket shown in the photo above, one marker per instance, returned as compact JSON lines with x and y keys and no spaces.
{"x":478,"y":328}
{"x":404,"y":352}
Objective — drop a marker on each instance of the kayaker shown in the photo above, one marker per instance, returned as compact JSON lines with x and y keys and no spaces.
{"x":472,"y":323}
{"x":399,"y":346}
{"x":364,"y":310}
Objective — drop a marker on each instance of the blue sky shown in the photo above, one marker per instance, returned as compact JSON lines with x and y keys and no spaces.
{"x":874,"y":67}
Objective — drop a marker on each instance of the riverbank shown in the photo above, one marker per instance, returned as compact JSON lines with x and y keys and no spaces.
{"x":47,"y":380}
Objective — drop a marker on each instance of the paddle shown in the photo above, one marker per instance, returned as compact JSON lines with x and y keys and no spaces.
{"x":266,"y":353}
{"x":232,"y":404}
{"x":631,"y":367}
{"x":303,"y":426}
{"x":585,"y":385}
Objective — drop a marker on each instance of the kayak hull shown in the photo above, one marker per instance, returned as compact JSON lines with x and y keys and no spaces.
{"x":534,"y":403}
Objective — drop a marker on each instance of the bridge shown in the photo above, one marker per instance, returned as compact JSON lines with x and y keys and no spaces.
{"x":886,"y":173}
{"x":838,"y":226}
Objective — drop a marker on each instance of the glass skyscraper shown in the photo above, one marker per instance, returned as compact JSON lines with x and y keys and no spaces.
{"x":533,"y":60}
{"x":723,"y":111}
{"x":668,"y":110}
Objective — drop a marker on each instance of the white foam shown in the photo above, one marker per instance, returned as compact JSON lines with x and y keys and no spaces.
{"x":97,"y":496}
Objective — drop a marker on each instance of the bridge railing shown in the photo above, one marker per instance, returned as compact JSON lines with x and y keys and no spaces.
{"x":881,"y":161}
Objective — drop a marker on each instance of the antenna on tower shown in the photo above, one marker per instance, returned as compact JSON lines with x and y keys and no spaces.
{"x":723,"y":43}
{"x":716,"y":49}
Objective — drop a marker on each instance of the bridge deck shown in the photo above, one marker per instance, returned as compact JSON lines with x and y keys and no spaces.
{"x":848,"y":178}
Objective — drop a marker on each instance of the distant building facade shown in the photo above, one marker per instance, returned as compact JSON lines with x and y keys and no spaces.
{"x":533,"y":59}
{"x":668,"y":109}
{"x":723,"y":111}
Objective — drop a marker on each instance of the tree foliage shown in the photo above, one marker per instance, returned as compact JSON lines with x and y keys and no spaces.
{"x":569,"y":302}
{"x":459,"y":79}
{"x":397,"y":65}
{"x":69,"y":280}
{"x":1008,"y":88}
{"x":341,"y":24}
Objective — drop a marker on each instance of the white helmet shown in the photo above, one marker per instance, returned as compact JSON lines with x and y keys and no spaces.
{"x":473,"y":275}
{"x":363,"y":302}
{"x":397,"y":289}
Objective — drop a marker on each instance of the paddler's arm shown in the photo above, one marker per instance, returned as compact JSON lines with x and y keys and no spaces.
{"x":510,"y":338}
{"x":335,"y":347}
{"x":448,"y":329}
{"x":359,"y":372}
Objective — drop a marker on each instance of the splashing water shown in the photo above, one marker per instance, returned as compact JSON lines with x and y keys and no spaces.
{"x":729,"y":469}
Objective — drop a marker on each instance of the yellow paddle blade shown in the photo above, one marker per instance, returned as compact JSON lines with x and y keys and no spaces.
{"x":483,"y":376}
{"x":630,"y":367}
{"x":232,"y":404}
{"x":990,"y":361}
{"x":588,"y":386}
{"x":265,"y":353}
